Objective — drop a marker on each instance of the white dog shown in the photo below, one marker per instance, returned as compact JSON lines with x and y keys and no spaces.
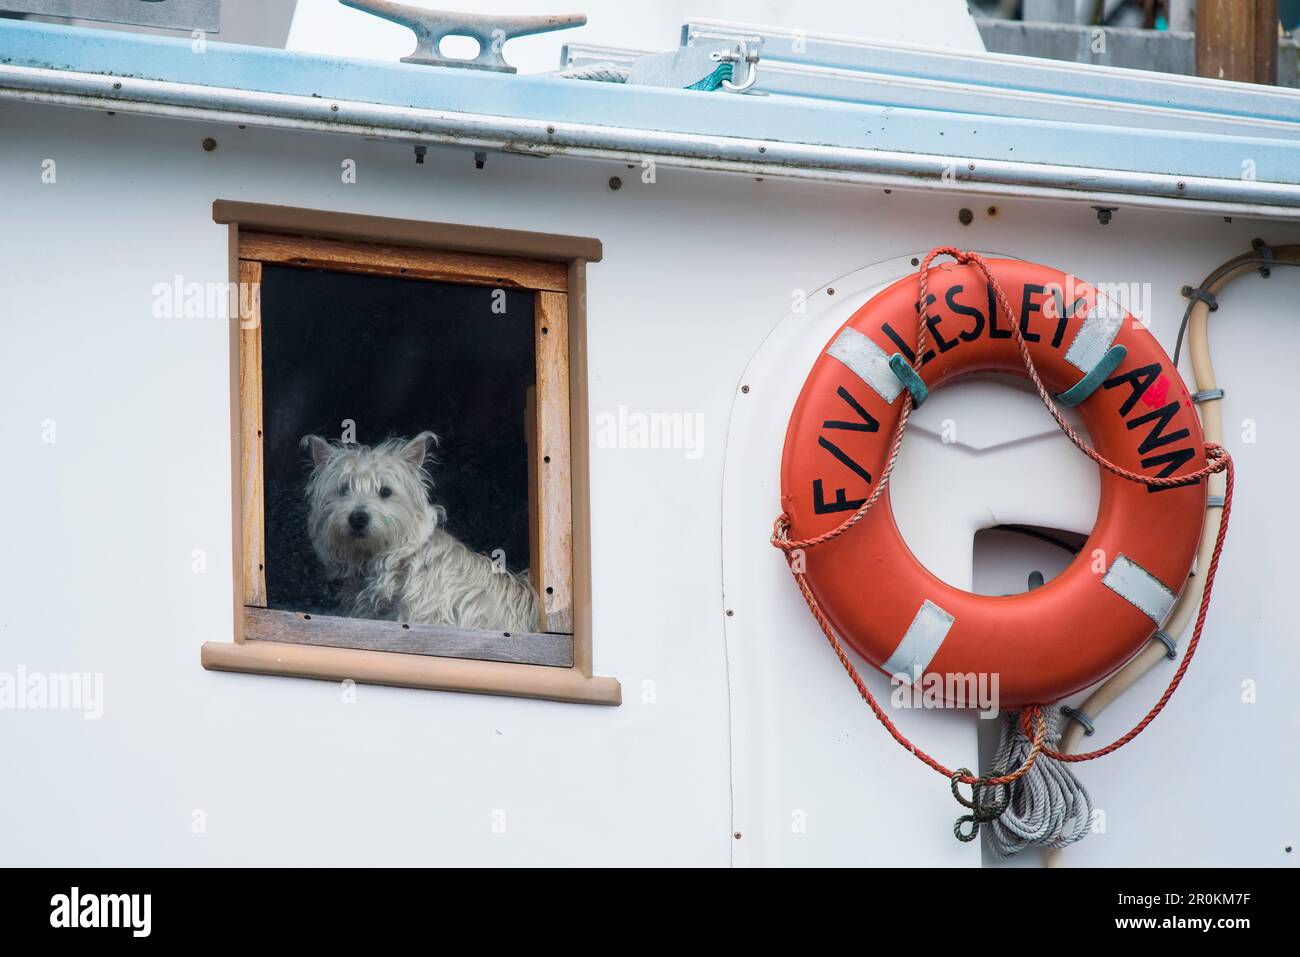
{"x":374,"y":528}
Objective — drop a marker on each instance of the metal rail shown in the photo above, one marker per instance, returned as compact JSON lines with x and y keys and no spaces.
{"x":540,"y":137}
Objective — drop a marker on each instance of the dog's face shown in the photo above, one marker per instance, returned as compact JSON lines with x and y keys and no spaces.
{"x":364,"y":501}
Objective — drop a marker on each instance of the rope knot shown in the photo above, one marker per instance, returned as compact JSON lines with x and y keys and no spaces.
{"x":781,"y":532}
{"x":1216,"y":456}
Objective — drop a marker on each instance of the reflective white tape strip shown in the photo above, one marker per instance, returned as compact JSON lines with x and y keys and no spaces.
{"x":921,"y":642}
{"x":1095,"y":336}
{"x":1139,"y":588}
{"x":867,"y":361}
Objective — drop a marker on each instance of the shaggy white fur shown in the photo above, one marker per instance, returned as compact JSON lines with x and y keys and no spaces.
{"x":374,"y":528}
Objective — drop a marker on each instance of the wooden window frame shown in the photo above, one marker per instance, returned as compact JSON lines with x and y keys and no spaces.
{"x":554,"y":664}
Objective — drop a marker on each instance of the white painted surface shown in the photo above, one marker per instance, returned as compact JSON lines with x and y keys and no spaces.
{"x":101,"y":527}
{"x":325,"y":26}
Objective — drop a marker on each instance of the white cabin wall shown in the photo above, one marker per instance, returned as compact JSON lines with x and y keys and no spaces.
{"x":699,"y":269}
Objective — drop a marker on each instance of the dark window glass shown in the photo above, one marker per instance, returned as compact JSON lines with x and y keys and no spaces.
{"x":397,"y":357}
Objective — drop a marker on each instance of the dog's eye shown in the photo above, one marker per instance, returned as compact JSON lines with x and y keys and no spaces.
{"x":385,"y":492}
{"x":343,"y":491}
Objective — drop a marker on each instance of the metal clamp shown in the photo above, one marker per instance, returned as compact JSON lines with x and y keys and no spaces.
{"x":490,"y":31}
{"x":1080,"y":717}
{"x":1204,"y":295}
{"x":1265,"y":253}
{"x":1207,"y":395}
{"x":746,"y":54}
{"x":1214,"y":501}
{"x":1171,"y":647}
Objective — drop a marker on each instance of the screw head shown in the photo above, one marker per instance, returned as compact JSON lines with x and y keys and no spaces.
{"x":965,"y":216}
{"x":615,"y":183}
{"x":209,"y":144}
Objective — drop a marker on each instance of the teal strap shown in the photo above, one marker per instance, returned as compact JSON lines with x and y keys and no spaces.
{"x":1088,"y":384}
{"x":714,"y":80}
{"x":907,"y":375}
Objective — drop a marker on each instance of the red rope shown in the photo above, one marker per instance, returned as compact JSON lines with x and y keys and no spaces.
{"x":1032,"y":723}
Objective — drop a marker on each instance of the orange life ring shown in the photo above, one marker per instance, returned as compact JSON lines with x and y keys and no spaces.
{"x":1057,"y":639}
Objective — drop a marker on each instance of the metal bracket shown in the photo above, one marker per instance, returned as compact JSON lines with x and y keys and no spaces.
{"x":1204,"y":295}
{"x":1171,"y":646}
{"x":1080,"y":717}
{"x":1266,"y":253}
{"x":748,"y":49}
{"x":491,"y":32}
{"x":678,"y":69}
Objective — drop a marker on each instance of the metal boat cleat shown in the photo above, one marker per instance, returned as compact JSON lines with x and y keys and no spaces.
{"x":490,"y":31}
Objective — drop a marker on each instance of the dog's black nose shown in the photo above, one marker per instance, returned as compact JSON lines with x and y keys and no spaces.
{"x":359,"y":519}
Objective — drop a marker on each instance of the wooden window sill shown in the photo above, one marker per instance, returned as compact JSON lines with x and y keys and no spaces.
{"x":411,"y":671}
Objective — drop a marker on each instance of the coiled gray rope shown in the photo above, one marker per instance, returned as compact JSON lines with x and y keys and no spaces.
{"x":1049,"y":807}
{"x":600,"y":72}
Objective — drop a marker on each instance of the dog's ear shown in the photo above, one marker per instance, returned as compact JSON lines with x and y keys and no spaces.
{"x":417,"y":450}
{"x":319,"y":448}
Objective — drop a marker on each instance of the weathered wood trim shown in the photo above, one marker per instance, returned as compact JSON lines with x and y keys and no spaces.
{"x":296,"y":221}
{"x":250,"y":433}
{"x":411,"y":671}
{"x":266,"y":624}
{"x":580,"y":468}
{"x":553,"y":516}
{"x":235,"y":365}
{"x":405,"y":262}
